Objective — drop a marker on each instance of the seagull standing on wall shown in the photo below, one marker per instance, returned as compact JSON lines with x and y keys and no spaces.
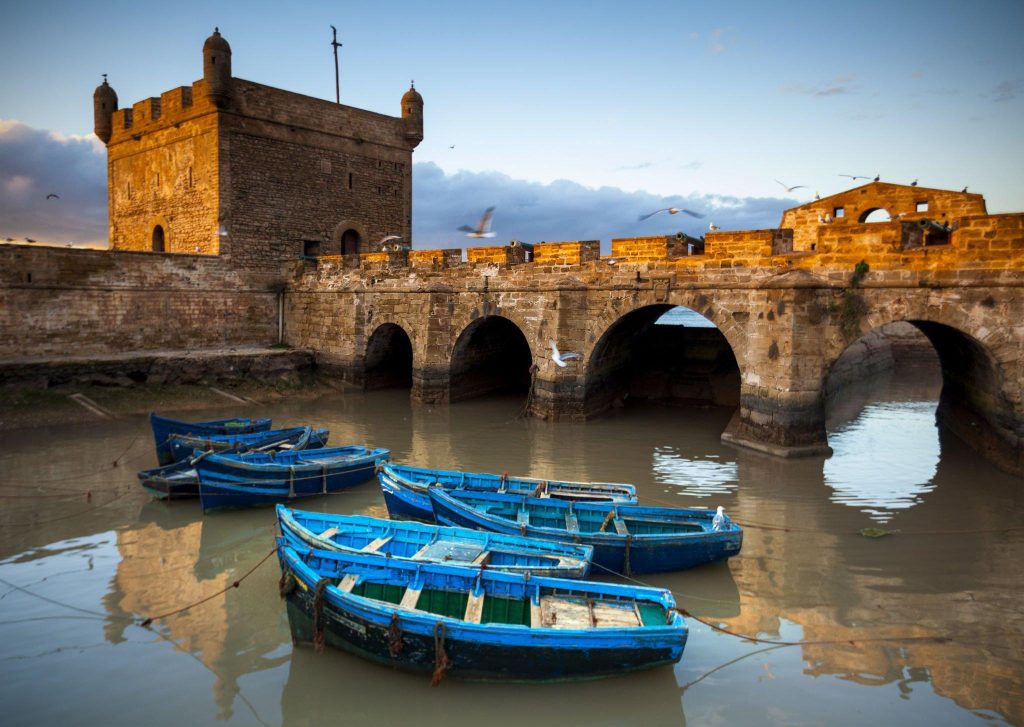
{"x":713,"y":227}
{"x":671,"y":211}
{"x":560,"y":358}
{"x":483,"y":229}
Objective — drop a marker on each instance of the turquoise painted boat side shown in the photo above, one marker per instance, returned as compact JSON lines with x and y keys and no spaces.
{"x":420,"y":542}
{"x":405,"y":488}
{"x":628,"y":539}
{"x":406,"y":636}
{"x":163,"y":427}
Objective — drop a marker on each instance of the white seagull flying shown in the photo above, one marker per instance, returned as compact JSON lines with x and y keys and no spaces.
{"x":672,"y":211}
{"x":483,"y":229}
{"x":559,"y":357}
{"x":790,"y":189}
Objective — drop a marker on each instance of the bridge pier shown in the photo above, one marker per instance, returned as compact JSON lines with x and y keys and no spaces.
{"x":781,"y":424}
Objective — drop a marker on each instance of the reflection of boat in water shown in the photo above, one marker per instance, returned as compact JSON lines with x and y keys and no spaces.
{"x":321,"y":688}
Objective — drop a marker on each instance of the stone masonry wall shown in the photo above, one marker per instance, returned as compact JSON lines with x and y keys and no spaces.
{"x":163,"y":170}
{"x":57,"y":302}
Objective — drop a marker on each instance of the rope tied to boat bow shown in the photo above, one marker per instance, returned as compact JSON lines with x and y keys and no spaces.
{"x":318,"y":614}
{"x":394,"y":637}
{"x":441,"y":662}
{"x":287,"y":584}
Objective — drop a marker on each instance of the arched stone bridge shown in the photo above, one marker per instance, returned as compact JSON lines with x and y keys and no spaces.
{"x":787,"y":303}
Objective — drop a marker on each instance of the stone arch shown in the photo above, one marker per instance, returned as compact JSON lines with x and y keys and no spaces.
{"x":159,"y":234}
{"x":731,"y":325}
{"x":979,"y":363}
{"x":634,"y":358}
{"x":388,"y":360}
{"x":348,"y":231}
{"x":874,"y":214}
{"x":490,"y":355}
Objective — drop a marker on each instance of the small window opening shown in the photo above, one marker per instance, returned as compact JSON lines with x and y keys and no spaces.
{"x":310,"y":248}
{"x":350,"y":180}
{"x":28,"y":277}
{"x":158,"y":238}
{"x":922,"y":206}
{"x":838,"y":212}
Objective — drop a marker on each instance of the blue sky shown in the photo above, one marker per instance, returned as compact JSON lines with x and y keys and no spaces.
{"x":611,"y":108}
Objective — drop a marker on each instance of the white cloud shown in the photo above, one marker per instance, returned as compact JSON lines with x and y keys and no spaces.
{"x":35,"y":163}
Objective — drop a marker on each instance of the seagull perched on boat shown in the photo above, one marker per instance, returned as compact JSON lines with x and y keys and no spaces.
{"x":559,"y":357}
{"x":483,"y":229}
{"x":713,"y":227}
{"x":51,"y":195}
{"x":790,"y":189}
{"x":720,"y":521}
{"x":671,"y":211}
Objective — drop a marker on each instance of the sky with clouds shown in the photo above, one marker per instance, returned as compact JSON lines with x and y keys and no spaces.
{"x":572,"y":118}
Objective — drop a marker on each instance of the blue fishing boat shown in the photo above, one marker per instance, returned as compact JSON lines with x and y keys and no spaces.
{"x":627,"y":539}
{"x":183,"y":446}
{"x":255,"y":478}
{"x":476,"y":624}
{"x":171,"y":481}
{"x":419,"y":542}
{"x":405,"y":488}
{"x":164,"y":427}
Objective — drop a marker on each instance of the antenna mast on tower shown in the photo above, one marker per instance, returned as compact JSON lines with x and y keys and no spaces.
{"x":337,"y":87}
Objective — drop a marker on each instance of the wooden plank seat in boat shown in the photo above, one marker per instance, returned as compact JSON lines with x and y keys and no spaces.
{"x":329,"y":533}
{"x":348,"y":582}
{"x":572,"y":523}
{"x":620,"y":526}
{"x":410,"y":598}
{"x":375,"y":545}
{"x":560,"y":612}
{"x":474,"y":608}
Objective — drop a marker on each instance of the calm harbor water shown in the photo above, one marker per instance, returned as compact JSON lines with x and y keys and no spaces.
{"x":78,"y":575}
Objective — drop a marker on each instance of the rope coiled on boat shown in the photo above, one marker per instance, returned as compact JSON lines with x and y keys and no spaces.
{"x":441,"y":662}
{"x":318,"y":614}
{"x":394,"y":637}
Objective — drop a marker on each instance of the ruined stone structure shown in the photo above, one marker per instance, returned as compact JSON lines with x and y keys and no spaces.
{"x":235,"y":168}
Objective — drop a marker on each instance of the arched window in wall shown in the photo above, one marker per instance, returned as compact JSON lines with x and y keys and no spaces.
{"x":350,"y":241}
{"x":158,"y":238}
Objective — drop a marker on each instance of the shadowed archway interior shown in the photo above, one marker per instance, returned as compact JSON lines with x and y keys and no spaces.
{"x":491,"y":356}
{"x":640,"y":359}
{"x":389,"y":358}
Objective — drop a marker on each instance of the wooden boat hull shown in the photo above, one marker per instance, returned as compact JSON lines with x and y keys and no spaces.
{"x":244,"y":480}
{"x":405,"y":488}
{"x":183,"y":446}
{"x":687,"y":540}
{"x":423,"y":543}
{"x":413,"y":639}
{"x":172,"y":481}
{"x":164,"y":427}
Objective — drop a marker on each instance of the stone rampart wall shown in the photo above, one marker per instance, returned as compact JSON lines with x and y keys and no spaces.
{"x":59,"y":302}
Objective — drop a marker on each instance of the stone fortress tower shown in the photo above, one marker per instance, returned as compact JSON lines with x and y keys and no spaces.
{"x":261,"y":175}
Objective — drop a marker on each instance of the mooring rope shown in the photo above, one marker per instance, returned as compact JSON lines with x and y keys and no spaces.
{"x":441,"y":662}
{"x":394,"y":637}
{"x":318,"y":615}
{"x":234,"y":584}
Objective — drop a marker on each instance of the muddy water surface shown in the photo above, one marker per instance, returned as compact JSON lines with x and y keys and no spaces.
{"x":79,"y":575}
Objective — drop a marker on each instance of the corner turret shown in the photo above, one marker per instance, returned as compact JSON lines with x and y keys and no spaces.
{"x":104,"y":104}
{"x":412,"y":116}
{"x":217,"y":68}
